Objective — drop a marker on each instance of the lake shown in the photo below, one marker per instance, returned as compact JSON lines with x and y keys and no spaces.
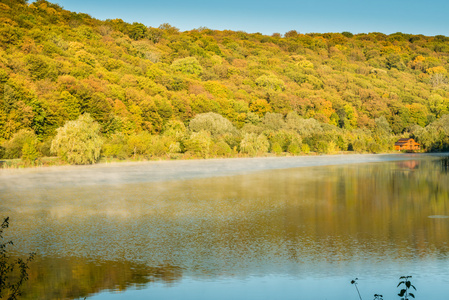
{"x":269,"y":228}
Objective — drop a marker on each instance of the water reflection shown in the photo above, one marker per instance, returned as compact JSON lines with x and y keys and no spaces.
{"x":370,"y":219}
{"x":70,"y":277}
{"x":444,"y":163}
{"x":409,"y":164}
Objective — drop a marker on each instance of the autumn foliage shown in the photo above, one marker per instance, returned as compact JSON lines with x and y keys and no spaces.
{"x":326,"y":92}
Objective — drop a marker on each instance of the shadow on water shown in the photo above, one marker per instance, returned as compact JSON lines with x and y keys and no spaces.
{"x":73,"y":278}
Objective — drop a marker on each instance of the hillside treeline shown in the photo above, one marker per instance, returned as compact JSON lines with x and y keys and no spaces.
{"x":145,"y":86}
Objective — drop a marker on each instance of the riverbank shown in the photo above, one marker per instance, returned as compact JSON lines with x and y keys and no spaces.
{"x":151,"y":171}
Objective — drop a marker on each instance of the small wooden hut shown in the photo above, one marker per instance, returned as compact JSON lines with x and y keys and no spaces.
{"x":407,"y":144}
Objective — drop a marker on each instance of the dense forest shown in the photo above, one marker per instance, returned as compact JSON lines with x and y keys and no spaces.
{"x":145,"y":92}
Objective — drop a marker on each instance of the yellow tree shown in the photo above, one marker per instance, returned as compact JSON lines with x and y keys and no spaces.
{"x":78,"y":142}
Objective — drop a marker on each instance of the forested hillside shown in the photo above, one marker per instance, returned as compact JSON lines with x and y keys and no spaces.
{"x":204,"y":93}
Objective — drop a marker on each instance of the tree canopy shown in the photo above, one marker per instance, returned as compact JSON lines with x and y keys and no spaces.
{"x":56,"y":65}
{"x":78,"y":142}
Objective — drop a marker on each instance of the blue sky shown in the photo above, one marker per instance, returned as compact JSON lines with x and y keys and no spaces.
{"x":305,"y":16}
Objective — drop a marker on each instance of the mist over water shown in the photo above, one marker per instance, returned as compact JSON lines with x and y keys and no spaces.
{"x":258,"y":230}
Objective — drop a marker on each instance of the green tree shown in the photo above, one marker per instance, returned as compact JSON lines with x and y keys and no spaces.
{"x":139,"y":144}
{"x":291,"y":34}
{"x":276,"y":148}
{"x":395,"y":61}
{"x":188,"y":65}
{"x":175,"y":129}
{"x":78,"y":142}
{"x":199,"y":143}
{"x":137,"y":31}
{"x":212,"y":123}
{"x":14,"y":147}
{"x":382,"y":136}
{"x":270,"y":82}
{"x":115,"y":146}
{"x":220,"y":148}
{"x":294,"y":147}
{"x":30,"y":152}
{"x":40,"y":68}
{"x":2,"y":151}
{"x":283,"y":138}
{"x":9,"y":289}
{"x":70,"y":105}
{"x":273,"y":121}
{"x":254,"y":144}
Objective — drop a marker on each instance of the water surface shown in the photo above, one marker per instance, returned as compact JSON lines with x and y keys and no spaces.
{"x":273,"y":233}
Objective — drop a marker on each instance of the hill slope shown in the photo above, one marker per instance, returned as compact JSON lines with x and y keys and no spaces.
{"x":56,"y":64}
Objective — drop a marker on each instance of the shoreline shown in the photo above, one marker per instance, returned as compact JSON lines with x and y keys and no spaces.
{"x":168,"y":170}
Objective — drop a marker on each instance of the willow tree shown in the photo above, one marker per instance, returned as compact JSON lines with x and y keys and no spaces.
{"x":78,"y":142}
{"x":212,"y":123}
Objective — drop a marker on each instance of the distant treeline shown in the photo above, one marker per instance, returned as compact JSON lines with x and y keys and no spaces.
{"x":303,"y":92}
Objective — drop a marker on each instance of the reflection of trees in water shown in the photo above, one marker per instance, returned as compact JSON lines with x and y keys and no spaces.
{"x":385,"y":203}
{"x":444,"y":162}
{"x":69,"y":278}
{"x":304,"y":220}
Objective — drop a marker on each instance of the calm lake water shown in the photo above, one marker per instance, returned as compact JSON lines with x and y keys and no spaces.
{"x":289,"y":233}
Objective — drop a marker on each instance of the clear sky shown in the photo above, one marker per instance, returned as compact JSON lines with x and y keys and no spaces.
{"x":357,"y":16}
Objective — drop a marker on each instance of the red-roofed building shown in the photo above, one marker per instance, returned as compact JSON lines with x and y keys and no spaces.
{"x":407,"y":144}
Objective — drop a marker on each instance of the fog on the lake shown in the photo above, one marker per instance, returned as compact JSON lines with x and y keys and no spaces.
{"x":241,"y":229}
